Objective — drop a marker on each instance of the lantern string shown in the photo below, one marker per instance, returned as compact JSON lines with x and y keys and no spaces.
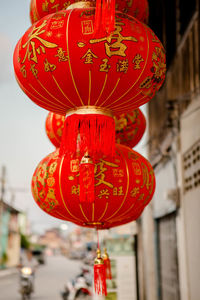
{"x":98,"y":245}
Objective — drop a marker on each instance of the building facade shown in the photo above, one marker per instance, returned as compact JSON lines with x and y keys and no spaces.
{"x":170,"y":240}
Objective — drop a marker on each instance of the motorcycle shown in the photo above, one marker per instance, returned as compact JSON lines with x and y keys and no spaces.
{"x":26,"y":282}
{"x":79,"y":288}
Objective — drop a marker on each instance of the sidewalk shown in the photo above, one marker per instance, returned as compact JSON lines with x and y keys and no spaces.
{"x":7,"y":272}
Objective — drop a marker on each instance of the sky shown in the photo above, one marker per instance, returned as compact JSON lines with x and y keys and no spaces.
{"x":23,"y":142}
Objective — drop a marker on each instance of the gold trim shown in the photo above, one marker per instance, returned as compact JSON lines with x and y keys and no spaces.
{"x":124,"y":102}
{"x":62,"y":91}
{"x":128,"y":107}
{"x":105,"y":81}
{"x":122,"y":215}
{"x":92,"y":211}
{"x":81,"y":4}
{"x":68,"y":219}
{"x":89,"y":88}
{"x":83,"y":212}
{"x":104,"y":211}
{"x":127,"y":187}
{"x":118,"y":80}
{"x":36,"y":9}
{"x":48,"y":101}
{"x":51,"y":94}
{"x":90,"y":109}
{"x":93,"y":223}
{"x":60,"y":168}
{"x":69,"y":61}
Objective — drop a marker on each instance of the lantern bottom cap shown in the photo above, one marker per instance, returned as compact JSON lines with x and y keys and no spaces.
{"x":88,"y":110}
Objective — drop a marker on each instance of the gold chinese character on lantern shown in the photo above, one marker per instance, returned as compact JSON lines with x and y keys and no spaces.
{"x":89,"y":57}
{"x":114,"y":45}
{"x":61,"y":55}
{"x":137,"y":61}
{"x":49,"y":67}
{"x":118,"y":191}
{"x":158,"y":58}
{"x":122,"y":66}
{"x":74,"y":165}
{"x":100,"y":170}
{"x":87,"y":26}
{"x":105,"y":66}
{"x":135,"y":191}
{"x":31,"y":50}
{"x":45,"y":5}
{"x":56,"y":6}
{"x":34,"y":70}
{"x":24,"y":72}
{"x":66,"y":4}
{"x":104,"y":193}
{"x":75,"y":190}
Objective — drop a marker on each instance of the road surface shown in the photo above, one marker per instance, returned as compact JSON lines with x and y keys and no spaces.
{"x":49,"y":280}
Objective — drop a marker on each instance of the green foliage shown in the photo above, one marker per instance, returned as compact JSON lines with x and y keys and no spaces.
{"x":4,"y":258}
{"x":25,"y":243}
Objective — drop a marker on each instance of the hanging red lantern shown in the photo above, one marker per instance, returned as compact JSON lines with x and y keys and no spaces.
{"x":54,"y":128}
{"x":124,"y":185}
{"x":136,"y":8}
{"x":128,"y":65}
{"x":130,"y":128}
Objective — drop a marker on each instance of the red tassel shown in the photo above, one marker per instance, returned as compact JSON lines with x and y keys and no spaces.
{"x":86,"y":180}
{"x":99,"y":275}
{"x":96,"y":134}
{"x":107,"y":264}
{"x":105,"y":16}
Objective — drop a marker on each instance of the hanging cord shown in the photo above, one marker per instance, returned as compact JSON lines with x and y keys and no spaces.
{"x":98,"y":245}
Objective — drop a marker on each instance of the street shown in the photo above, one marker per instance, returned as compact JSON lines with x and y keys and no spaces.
{"x":49,"y":280}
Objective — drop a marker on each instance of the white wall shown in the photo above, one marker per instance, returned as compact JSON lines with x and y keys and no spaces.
{"x":190,"y":203}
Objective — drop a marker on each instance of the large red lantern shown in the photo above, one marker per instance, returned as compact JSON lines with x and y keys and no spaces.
{"x":66,"y":67}
{"x":124,"y":185}
{"x":40,"y":8}
{"x":62,"y":65}
{"x":130,"y":128}
{"x":54,"y":128}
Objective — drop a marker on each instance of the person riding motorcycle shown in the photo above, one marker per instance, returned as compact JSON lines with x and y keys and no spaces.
{"x":28,"y":266}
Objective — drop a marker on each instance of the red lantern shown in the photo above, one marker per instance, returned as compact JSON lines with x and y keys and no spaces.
{"x":54,"y":128}
{"x":40,"y":8}
{"x":124,"y":185}
{"x":61,"y":65}
{"x":60,"y":60}
{"x":130,"y":128}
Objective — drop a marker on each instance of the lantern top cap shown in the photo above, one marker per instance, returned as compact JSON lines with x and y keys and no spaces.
{"x":81,"y":4}
{"x":98,"y":260}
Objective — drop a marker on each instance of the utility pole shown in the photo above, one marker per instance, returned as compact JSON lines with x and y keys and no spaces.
{"x":3,"y":180}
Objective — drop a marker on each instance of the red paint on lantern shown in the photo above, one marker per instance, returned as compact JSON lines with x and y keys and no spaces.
{"x":124,"y":185}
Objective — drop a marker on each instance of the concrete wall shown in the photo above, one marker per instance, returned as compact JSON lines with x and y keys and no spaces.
{"x":190,"y":202}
